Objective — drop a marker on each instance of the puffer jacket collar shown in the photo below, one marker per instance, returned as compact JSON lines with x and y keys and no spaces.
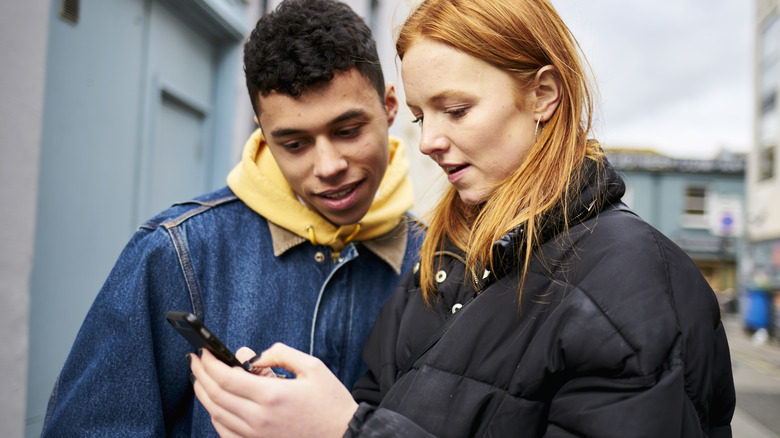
{"x":598,"y":187}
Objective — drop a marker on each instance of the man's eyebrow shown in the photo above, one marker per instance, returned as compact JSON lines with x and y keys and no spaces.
{"x":348,"y":115}
{"x":285,"y":132}
{"x":345,"y":116}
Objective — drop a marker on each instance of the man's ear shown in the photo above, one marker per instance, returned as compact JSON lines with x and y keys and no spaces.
{"x":391,"y":103}
{"x":547,"y":92}
{"x":257,"y":122}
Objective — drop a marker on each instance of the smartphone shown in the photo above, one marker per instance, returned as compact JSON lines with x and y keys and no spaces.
{"x":194,"y":331}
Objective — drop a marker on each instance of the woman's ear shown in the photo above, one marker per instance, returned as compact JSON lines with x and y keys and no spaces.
{"x":547,"y":92}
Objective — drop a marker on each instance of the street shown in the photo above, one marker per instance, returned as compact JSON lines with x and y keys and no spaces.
{"x":756,"y":367}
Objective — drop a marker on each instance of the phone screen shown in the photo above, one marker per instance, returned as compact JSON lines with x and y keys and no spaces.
{"x":199,"y":336}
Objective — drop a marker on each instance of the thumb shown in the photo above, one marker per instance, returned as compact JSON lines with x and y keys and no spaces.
{"x":283,"y":356}
{"x":244,"y":354}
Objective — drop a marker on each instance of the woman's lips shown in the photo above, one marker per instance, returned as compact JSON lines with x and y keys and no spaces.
{"x":452,"y":169}
{"x":454,"y":172}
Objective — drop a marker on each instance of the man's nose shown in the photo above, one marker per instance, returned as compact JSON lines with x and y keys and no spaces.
{"x":330,"y":160}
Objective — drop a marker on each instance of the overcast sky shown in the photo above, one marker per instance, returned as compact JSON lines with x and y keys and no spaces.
{"x":675,"y":76}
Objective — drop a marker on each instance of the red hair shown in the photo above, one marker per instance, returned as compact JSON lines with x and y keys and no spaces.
{"x":520,"y":37}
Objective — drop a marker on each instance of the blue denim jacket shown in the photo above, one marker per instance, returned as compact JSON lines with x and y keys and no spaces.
{"x":126,"y":374}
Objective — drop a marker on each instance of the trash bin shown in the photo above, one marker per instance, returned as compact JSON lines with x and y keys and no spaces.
{"x":774,"y":310}
{"x":756,"y":308}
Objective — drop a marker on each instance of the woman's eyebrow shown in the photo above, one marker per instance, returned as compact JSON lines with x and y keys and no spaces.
{"x":442,"y":96}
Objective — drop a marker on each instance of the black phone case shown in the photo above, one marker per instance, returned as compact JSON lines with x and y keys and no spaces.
{"x":194,"y":331}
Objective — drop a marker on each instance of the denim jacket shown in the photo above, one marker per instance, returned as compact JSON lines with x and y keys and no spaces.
{"x":126,"y":374}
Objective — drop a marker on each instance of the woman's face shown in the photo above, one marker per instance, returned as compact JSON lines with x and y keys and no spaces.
{"x":468,"y":110}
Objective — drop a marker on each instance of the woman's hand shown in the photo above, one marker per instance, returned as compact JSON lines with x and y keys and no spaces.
{"x":242,"y":404}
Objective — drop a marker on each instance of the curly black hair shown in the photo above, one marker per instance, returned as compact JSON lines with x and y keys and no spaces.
{"x":303,"y":43}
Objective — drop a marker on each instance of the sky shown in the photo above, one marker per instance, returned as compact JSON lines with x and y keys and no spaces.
{"x":674,"y":76}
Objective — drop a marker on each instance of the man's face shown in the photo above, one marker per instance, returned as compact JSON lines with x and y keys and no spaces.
{"x":331,"y":143}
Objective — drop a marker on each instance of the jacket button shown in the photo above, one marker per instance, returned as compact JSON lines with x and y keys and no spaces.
{"x":319,"y":257}
{"x":416,"y":267}
{"x":456,"y":307}
{"x":441,"y":276}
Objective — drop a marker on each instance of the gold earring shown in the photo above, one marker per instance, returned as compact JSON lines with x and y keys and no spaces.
{"x":536,"y":130}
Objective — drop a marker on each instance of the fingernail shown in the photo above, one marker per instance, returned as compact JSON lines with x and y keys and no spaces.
{"x":192,"y":378}
{"x":200,"y":352}
{"x":189,"y":357}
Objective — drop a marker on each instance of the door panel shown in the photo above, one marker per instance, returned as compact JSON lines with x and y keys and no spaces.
{"x":178,"y":168}
{"x":179,"y":123}
{"x":128,"y":129}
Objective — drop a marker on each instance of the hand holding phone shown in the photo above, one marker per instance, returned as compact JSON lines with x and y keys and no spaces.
{"x":194,"y":331}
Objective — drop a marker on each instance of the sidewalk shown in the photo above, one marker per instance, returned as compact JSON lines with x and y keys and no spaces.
{"x":756,"y":368}
{"x":745,"y":426}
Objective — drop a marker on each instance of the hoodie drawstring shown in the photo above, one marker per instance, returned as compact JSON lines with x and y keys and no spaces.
{"x":310,"y":229}
{"x":352,"y":235}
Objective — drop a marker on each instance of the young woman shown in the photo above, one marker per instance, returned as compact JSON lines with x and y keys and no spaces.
{"x":542,"y":306}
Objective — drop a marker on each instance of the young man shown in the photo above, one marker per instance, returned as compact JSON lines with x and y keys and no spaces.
{"x":303,"y":246}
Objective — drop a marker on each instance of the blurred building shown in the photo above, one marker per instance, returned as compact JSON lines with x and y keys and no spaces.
{"x":111,"y":111}
{"x":696,"y":203}
{"x":761,"y":267}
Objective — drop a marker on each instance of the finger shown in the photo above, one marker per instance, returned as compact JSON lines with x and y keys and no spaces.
{"x":204,"y":364}
{"x":220,"y":401}
{"x":218,"y":376}
{"x":232,"y":380}
{"x":225,"y":422}
{"x":225,"y":432}
{"x":203,"y":384}
{"x":244,"y":354}
{"x":280,"y":355}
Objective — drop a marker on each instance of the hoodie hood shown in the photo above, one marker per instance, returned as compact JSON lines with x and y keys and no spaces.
{"x":258,"y":181}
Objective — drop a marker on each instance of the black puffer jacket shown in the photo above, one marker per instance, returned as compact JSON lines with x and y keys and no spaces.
{"x":618,"y":335}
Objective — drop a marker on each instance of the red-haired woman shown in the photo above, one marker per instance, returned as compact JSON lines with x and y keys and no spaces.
{"x":542,"y":306}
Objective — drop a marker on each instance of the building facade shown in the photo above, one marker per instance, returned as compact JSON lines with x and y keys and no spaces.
{"x":761,"y":269}
{"x":696,"y":203}
{"x":762,"y":177}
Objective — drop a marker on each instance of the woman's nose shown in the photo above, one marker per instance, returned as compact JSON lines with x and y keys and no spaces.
{"x":432,"y":140}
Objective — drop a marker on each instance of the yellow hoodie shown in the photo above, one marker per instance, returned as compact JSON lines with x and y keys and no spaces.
{"x":259,"y":183}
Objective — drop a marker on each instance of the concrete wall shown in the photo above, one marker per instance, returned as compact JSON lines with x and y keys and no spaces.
{"x":23,"y":32}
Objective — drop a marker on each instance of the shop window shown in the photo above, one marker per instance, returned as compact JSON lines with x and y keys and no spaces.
{"x":695,"y":207}
{"x":766,"y":163}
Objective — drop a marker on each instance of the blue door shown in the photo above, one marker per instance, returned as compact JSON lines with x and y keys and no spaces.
{"x":177,"y":126}
{"x":138,"y":114}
